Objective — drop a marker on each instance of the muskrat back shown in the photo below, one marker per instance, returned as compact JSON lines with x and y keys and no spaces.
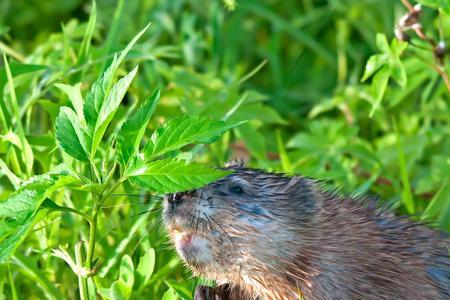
{"x":273,"y":236}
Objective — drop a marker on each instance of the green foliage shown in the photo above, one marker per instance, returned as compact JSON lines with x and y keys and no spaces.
{"x":179,"y":132}
{"x":19,"y":211}
{"x":385,"y":65}
{"x":169,"y":176}
{"x":88,"y":140}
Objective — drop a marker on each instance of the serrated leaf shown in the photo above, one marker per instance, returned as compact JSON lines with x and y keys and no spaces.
{"x":97,"y":94}
{"x":185,"y":130}
{"x":132,"y":131}
{"x":169,"y":176}
{"x":17,"y":213}
{"x":71,"y":137}
{"x":75,"y":97}
{"x":109,"y":108}
{"x":97,"y":107}
{"x":101,"y":88}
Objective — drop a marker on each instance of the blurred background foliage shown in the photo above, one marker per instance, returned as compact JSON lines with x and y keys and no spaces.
{"x":293,"y":68}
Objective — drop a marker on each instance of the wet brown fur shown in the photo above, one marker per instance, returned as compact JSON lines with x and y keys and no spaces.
{"x":285,"y":238}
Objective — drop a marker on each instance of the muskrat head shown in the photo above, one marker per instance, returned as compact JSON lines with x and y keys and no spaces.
{"x":225,"y":228}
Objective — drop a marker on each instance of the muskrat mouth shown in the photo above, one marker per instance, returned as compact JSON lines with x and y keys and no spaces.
{"x":182,"y":238}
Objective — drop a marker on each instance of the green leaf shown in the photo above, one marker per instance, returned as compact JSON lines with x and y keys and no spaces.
{"x":254,"y":140}
{"x":398,"y":73}
{"x":96,"y":96}
{"x":98,"y":105}
{"x":438,"y":202}
{"x":72,"y":138}
{"x":382,"y":44}
{"x":260,"y":112}
{"x":75,"y":97}
{"x":18,"y":69}
{"x":27,"y":153}
{"x":17,"y":213}
{"x":379,"y":84}
{"x":437,"y":4}
{"x":132,"y":131}
{"x":169,"y":176}
{"x":145,"y":268}
{"x":185,"y":130}
{"x":181,"y":289}
{"x":284,"y":157}
{"x":101,"y":88}
{"x":407,"y":196}
{"x":374,"y":63}
{"x":15,"y":181}
{"x":397,"y":68}
{"x":109,"y":108}
{"x":120,"y":248}
{"x":86,"y":43}
{"x":121,"y":288}
{"x":170,"y":294}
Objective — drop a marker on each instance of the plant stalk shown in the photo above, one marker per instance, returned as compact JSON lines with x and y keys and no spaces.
{"x":82,"y":281}
{"x":92,"y":232}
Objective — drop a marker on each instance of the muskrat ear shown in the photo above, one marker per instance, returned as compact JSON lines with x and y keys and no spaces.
{"x":235,"y":163}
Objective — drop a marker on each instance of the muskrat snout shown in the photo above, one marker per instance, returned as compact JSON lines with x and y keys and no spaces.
{"x":177,"y":198}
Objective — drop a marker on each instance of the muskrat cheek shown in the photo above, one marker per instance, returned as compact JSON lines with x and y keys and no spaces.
{"x":194,"y":249}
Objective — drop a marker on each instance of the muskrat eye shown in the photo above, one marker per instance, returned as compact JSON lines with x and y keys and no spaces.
{"x":236,"y":190}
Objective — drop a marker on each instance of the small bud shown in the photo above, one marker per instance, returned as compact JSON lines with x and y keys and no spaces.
{"x":441,"y":50}
{"x":401,"y":35}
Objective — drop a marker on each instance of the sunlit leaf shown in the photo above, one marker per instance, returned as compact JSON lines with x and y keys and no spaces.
{"x":18,"y":211}
{"x":132,"y":131}
{"x":145,"y":268}
{"x":374,"y":63}
{"x":109,"y":108}
{"x":169,"y":176}
{"x":86,"y":43}
{"x":121,"y":288}
{"x":379,"y":84}
{"x":75,"y":97}
{"x":185,"y":130}
{"x":72,"y":138}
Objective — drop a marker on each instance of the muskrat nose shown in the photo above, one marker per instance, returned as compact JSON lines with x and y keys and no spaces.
{"x":174,"y":198}
{"x":179,"y":197}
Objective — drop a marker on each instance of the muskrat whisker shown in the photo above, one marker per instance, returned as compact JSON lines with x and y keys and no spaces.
{"x":212,"y":219}
{"x":196,"y":225}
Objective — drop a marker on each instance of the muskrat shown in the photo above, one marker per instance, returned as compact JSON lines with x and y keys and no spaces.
{"x":272,"y":236}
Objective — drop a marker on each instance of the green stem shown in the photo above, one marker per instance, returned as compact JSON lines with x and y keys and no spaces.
{"x":94,"y":171}
{"x":113,"y":188}
{"x":92,"y":232}
{"x":77,"y":212}
{"x":82,"y":282}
